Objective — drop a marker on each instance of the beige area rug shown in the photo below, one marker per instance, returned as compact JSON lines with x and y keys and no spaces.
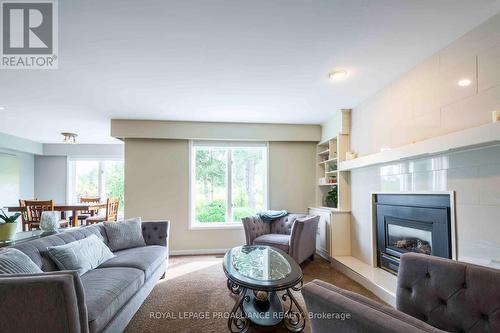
{"x":194,"y":296}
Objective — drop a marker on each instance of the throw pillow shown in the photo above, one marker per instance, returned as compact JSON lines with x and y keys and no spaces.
{"x":13,"y":261}
{"x":82,"y":255}
{"x":124,"y":234}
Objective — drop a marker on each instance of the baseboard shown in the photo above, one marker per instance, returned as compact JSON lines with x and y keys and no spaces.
{"x":197,"y":252}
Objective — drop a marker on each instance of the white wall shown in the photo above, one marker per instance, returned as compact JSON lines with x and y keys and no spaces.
{"x":26,"y":172}
{"x":50,"y":178}
{"x":157,"y":186}
{"x":83,"y":150}
{"x":26,"y":176}
{"x":24,"y":150}
{"x":425,"y":103}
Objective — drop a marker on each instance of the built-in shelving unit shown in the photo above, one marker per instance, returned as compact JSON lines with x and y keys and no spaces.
{"x":333,"y":236}
{"x":329,"y":153}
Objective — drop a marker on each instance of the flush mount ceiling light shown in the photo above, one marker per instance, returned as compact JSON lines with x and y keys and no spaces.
{"x":337,"y":75}
{"x":464,"y":82}
{"x":69,"y":137}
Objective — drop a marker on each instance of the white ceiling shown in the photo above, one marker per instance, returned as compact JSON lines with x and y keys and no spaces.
{"x":223,"y":60}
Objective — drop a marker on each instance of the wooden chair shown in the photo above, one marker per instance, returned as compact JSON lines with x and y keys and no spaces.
{"x":85,"y":214}
{"x":112,"y":205}
{"x":24,"y":214}
{"x":34,"y":209}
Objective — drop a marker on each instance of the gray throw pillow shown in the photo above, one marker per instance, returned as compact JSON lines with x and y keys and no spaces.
{"x":13,"y":261}
{"x":124,"y":234}
{"x":82,"y":255}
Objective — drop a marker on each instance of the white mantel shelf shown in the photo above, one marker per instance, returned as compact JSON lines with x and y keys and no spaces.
{"x":481,"y":136}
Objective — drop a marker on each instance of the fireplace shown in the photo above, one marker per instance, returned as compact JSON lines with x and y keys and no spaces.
{"x":418,"y":223}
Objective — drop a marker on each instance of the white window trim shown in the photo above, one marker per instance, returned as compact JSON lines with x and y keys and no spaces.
{"x":70,"y":172}
{"x":223,"y":144}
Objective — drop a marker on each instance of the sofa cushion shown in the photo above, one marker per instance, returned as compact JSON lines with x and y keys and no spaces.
{"x":146,"y":258}
{"x":277,"y":240}
{"x":81,"y":255}
{"x":13,"y":261}
{"x":37,"y":249}
{"x":125,"y":234}
{"x":107,"y":290}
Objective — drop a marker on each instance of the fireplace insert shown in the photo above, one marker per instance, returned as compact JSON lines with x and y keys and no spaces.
{"x":418,"y":223}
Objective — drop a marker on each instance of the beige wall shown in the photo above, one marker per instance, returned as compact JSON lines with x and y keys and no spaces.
{"x":157,"y":187}
{"x":425,"y":103}
{"x":292,"y":175}
{"x":181,"y":130}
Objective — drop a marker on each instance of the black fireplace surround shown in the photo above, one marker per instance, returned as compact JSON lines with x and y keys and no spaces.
{"x":418,"y":223}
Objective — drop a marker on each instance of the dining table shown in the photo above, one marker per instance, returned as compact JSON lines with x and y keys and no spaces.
{"x":92,"y":207}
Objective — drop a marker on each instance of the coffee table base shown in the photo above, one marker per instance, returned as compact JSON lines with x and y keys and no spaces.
{"x":270,"y":312}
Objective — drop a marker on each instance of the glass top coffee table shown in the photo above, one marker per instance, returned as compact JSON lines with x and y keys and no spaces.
{"x":263,"y":277}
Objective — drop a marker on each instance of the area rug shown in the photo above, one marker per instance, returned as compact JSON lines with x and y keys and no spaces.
{"x":194,"y":297}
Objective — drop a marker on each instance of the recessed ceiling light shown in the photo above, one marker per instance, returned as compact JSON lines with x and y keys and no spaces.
{"x":69,"y":137}
{"x":464,"y":82}
{"x":2,"y":108}
{"x":337,"y":75}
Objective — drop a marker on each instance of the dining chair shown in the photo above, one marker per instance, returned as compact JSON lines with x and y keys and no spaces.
{"x":112,"y":205}
{"x":24,"y":214}
{"x":85,"y":214}
{"x":34,"y":209}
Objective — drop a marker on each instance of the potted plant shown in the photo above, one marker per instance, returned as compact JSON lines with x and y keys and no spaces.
{"x":331,"y":198}
{"x":8,"y":226}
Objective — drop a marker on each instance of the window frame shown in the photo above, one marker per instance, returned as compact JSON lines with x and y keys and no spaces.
{"x":71,"y":174}
{"x":193,"y":225}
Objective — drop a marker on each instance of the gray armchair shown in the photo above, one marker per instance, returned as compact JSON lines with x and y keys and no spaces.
{"x":433,"y":295}
{"x":295,"y":234}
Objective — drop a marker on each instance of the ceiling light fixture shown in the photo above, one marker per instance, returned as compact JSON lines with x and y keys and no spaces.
{"x":337,"y":75}
{"x":69,"y":137}
{"x":2,"y":108}
{"x":464,"y":82}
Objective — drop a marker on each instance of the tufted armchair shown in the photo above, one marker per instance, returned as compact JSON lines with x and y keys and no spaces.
{"x":433,"y":295}
{"x":295,"y":234}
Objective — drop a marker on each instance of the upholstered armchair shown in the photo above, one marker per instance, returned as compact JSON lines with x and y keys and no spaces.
{"x":295,"y":234}
{"x":433,"y":295}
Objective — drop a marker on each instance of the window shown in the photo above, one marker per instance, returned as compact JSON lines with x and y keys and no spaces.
{"x":96,"y":178}
{"x":228,"y":182}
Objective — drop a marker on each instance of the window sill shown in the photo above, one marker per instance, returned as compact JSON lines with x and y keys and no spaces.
{"x":215,"y":226}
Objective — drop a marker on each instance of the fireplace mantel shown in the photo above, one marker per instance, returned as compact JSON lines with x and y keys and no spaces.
{"x":481,"y":136}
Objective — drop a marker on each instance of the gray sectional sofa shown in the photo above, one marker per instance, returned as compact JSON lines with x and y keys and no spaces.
{"x":101,"y":300}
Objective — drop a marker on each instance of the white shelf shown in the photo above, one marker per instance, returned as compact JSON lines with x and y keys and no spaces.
{"x":330,"y":172}
{"x":324,"y":152}
{"x":328,"y":161}
{"x":481,"y":136}
{"x":331,"y":184}
{"x":331,"y":209}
